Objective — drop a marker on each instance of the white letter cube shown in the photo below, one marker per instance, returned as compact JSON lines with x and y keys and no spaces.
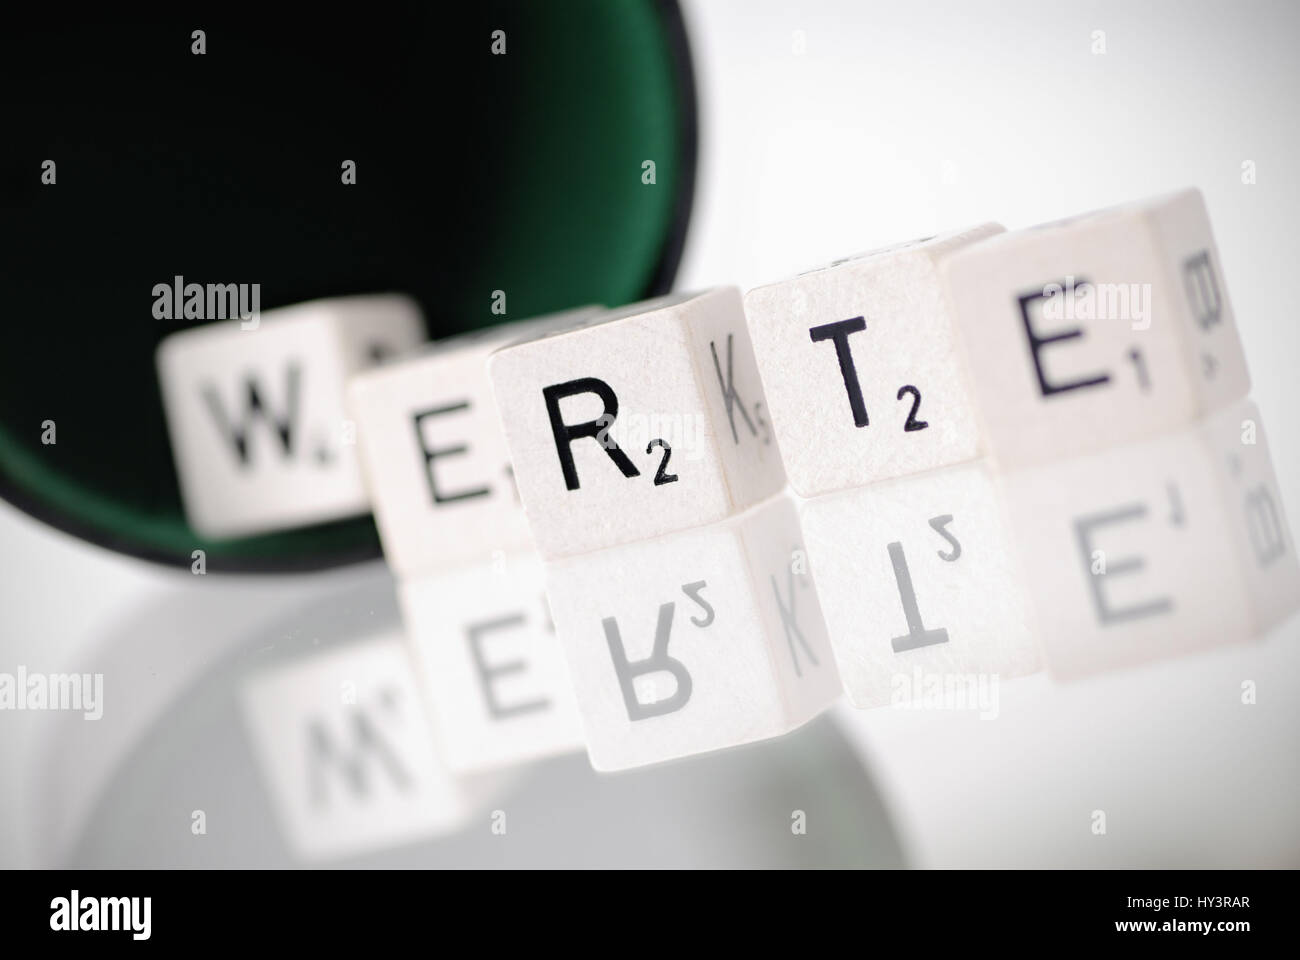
{"x":434,"y":456}
{"x":1094,"y":331}
{"x":1130,"y":554}
{"x":1260,"y":532}
{"x":920,"y":574}
{"x":861,"y":367}
{"x":693,"y":642}
{"x":256,"y":416}
{"x":647,"y":420}
{"x":345,"y":745}
{"x":499,"y":689}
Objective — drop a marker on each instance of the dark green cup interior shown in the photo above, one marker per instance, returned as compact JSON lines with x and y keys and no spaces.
{"x":475,"y":172}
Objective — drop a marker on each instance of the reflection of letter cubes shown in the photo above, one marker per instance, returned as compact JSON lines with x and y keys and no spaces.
{"x":256,"y":416}
{"x":1094,"y":331}
{"x":1147,"y":550}
{"x":861,"y":367}
{"x":701,"y":640}
{"x":347,"y":751}
{"x":648,"y":420}
{"x":1260,"y":532}
{"x":498,"y":686}
{"x":920,"y":574}
{"x":434,"y":456}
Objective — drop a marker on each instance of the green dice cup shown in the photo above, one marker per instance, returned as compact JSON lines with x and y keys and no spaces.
{"x":475,"y":172}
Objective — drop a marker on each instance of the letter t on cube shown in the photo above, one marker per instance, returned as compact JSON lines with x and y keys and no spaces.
{"x":862,"y":369}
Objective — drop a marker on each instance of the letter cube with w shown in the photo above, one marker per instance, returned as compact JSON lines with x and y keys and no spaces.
{"x":645,"y":421}
{"x":256,"y":415}
{"x":345,"y":748}
{"x":695,"y":641}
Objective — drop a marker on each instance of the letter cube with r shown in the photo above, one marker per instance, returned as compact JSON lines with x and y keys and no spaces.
{"x":647,"y":420}
{"x":703,"y":639}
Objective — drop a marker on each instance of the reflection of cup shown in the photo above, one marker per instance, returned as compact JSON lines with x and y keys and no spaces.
{"x":514,"y":166}
{"x":150,"y":663}
{"x":179,"y":743}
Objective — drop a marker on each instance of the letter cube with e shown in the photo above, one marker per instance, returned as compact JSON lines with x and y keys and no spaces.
{"x":1149,"y":550}
{"x":695,"y":641}
{"x":647,"y":420}
{"x":433,"y":454}
{"x":1098,"y":330}
{"x":499,"y":689}
{"x":348,"y":754}
{"x":861,"y":367}
{"x":256,"y":416}
{"x":920,"y":577}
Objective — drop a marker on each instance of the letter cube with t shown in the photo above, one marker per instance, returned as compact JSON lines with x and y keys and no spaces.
{"x":256,"y":412}
{"x":919,"y":577}
{"x":348,"y":754}
{"x":861,"y":367}
{"x":695,"y":641}
{"x":433,"y":453}
{"x":1151,"y":549}
{"x":647,"y":420}
{"x":1098,"y":330}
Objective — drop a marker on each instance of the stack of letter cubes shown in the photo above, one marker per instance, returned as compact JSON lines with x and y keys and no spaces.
{"x":1007,"y":451}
